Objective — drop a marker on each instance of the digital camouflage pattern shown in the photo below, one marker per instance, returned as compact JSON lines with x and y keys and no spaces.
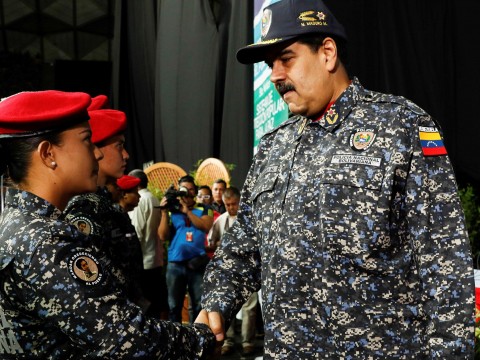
{"x":356,"y":238}
{"x":49,"y":310}
{"x":114,"y":233}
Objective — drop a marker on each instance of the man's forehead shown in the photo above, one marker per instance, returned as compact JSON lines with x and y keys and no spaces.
{"x":280,"y":49}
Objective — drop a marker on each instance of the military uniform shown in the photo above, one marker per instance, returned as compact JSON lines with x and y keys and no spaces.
{"x":352,"y":227}
{"x":114,"y":233}
{"x":50,"y":309}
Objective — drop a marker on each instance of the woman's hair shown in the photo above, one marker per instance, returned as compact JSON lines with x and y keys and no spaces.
{"x":16,"y":154}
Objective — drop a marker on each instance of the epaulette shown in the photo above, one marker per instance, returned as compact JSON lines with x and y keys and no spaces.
{"x":373,"y":96}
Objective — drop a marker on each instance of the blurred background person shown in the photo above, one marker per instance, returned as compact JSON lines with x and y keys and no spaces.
{"x":146,"y":219}
{"x":204,"y":196}
{"x":218,"y":187}
{"x":185,"y":224}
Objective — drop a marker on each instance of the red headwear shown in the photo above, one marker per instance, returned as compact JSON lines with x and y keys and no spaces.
{"x":99,"y":102}
{"x":30,"y":113}
{"x":127,"y":182}
{"x":106,"y":123}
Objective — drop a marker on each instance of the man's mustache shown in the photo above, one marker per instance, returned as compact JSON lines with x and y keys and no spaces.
{"x":283,"y":87}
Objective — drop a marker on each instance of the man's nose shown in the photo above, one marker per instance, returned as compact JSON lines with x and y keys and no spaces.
{"x":278,"y":72}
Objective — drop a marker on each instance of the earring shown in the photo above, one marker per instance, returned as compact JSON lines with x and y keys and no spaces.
{"x":53,"y":163}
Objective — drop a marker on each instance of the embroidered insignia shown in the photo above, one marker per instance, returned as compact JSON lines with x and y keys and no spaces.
{"x":331,"y":116}
{"x":83,"y":224}
{"x":266,"y":21}
{"x":302,"y":126}
{"x":311,"y":17}
{"x":85,"y":267}
{"x":356,"y":159}
{"x":306,"y":16}
{"x":362,"y":139}
{"x":431,"y":141}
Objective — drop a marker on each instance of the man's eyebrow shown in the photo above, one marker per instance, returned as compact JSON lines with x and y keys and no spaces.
{"x":285,"y":52}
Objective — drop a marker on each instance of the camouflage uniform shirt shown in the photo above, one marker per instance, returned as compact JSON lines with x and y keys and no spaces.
{"x":51,"y":309}
{"x":352,"y":227}
{"x":107,"y":224}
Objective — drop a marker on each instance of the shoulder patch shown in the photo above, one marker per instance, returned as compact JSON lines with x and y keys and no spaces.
{"x":83,"y":224}
{"x":84,"y":267}
{"x":431,"y":141}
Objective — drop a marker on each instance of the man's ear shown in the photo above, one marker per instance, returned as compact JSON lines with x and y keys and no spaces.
{"x":330,"y":53}
{"x":46,"y":153}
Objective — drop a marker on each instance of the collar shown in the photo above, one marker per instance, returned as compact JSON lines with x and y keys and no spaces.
{"x":26,"y":201}
{"x":341,"y":108}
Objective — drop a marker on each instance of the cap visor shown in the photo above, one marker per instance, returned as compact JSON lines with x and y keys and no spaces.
{"x":257,"y":52}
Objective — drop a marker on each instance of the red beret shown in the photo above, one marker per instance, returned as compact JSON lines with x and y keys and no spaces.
{"x":106,"y":123}
{"x":98,"y":102}
{"x":41,"y":111}
{"x":127,"y":182}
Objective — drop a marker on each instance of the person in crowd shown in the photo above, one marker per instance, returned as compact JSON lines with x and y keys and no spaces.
{"x":231,"y":199}
{"x":130,"y":197}
{"x":59,"y":298}
{"x":185,"y":223}
{"x":350,"y":220}
{"x":205,"y":197}
{"x":218,"y":188}
{"x":101,"y":210}
{"x":146,"y":219}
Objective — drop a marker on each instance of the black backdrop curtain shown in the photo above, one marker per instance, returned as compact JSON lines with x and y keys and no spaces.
{"x":176,"y":77}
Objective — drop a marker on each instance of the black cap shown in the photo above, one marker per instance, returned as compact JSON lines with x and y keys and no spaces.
{"x":288,"y":19}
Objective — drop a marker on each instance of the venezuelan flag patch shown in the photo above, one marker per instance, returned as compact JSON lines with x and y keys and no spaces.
{"x":431,"y":141}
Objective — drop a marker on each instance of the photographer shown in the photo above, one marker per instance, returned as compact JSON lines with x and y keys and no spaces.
{"x":185,"y":224}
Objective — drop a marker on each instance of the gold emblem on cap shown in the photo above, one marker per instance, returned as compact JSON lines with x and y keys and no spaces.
{"x":311,"y":17}
{"x":305,"y":16}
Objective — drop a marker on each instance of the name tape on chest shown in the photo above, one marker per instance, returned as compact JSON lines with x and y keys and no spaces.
{"x":356,"y":159}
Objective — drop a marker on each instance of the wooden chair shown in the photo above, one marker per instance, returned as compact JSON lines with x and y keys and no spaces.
{"x":162,"y":174}
{"x":210,"y":170}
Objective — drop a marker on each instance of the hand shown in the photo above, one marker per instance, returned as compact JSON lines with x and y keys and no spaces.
{"x":184,"y":205}
{"x":163,"y":204}
{"x":215,"y":321}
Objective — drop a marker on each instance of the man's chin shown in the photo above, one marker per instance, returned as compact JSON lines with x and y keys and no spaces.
{"x":296,"y":109}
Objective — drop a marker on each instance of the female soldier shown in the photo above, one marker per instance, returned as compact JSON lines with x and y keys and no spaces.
{"x":48,"y":307}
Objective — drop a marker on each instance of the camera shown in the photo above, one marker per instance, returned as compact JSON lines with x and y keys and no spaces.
{"x":172,"y":195}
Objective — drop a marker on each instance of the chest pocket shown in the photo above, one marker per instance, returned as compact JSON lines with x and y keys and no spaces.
{"x":263,"y":196}
{"x":350,"y":215}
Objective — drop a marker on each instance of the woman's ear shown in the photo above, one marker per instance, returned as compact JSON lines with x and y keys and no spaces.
{"x":46,"y":154}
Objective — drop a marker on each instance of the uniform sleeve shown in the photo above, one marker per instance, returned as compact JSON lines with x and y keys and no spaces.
{"x":441,"y":249}
{"x":96,"y":316}
{"x":234,"y":272}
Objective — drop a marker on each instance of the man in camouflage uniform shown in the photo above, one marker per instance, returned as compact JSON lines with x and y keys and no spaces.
{"x":349,"y":221}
